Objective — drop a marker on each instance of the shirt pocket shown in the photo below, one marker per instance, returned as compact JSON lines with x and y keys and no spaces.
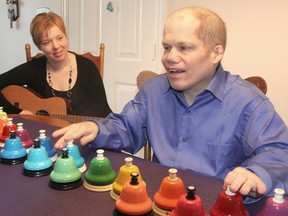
{"x":221,"y":156}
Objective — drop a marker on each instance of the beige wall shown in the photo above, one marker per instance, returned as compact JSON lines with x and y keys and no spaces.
{"x":257,"y":41}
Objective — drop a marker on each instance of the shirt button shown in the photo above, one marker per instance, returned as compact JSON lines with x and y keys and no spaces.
{"x":187,"y":111}
{"x":184,"y":139}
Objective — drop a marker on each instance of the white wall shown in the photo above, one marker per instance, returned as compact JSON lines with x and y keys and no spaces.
{"x":257,"y":41}
{"x":12,"y":41}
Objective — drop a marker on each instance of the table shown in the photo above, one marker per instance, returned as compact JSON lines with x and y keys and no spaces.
{"x":22,"y":195}
{"x":41,"y":119}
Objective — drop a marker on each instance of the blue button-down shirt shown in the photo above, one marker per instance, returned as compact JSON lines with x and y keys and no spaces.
{"x":230,"y":124}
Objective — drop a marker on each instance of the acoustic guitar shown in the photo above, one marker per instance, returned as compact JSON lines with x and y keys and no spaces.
{"x":27,"y":99}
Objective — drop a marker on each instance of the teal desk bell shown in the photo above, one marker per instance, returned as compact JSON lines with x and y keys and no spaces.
{"x":73,"y":151}
{"x":13,"y":152}
{"x":38,"y":163}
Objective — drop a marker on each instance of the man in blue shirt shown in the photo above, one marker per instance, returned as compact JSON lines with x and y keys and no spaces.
{"x":197,"y":116}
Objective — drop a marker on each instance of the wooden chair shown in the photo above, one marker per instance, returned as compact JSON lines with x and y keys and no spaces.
{"x":259,"y":82}
{"x":145,"y":75}
{"x":98,"y":60}
{"x":142,"y":77}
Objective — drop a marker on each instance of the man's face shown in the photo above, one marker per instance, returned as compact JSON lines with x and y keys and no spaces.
{"x":189,"y":66}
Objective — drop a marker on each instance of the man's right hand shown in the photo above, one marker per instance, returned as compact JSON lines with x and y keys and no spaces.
{"x":85,"y":131}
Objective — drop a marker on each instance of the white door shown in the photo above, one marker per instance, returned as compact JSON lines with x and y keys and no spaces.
{"x":130,"y":33}
{"x":129,"y":29}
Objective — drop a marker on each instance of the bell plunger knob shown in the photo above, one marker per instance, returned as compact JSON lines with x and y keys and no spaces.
{"x":64,"y":153}
{"x":134,"y":178}
{"x":13,"y":134}
{"x":36,"y":143}
{"x":191,"y":193}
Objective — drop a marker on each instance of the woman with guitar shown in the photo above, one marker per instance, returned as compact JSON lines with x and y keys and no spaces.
{"x":59,"y":73}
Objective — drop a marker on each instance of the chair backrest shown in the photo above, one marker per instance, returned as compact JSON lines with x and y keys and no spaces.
{"x":142,"y":77}
{"x":259,"y":82}
{"x":145,"y":75}
{"x":98,"y":60}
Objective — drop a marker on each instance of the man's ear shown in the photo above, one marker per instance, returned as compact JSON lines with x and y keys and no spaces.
{"x":218,"y":52}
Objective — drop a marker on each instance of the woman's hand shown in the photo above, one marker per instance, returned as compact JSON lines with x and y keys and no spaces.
{"x":26,"y":112}
{"x":85,"y":131}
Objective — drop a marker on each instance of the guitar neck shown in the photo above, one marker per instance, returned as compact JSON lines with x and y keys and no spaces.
{"x":74,"y":118}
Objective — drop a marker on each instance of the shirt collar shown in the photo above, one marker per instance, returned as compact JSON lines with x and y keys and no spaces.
{"x":216,"y":86}
{"x":166,"y":85}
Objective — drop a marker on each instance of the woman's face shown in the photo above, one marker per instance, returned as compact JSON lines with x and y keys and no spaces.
{"x":54,"y":44}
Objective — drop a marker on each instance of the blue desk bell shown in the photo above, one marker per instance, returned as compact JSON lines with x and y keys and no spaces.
{"x":13,"y":152}
{"x":38,"y":163}
{"x":47,"y":143}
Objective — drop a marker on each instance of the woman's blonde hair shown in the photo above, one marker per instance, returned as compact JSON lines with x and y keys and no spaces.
{"x":42,"y":23}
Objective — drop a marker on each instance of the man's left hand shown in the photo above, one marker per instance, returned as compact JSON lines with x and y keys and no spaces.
{"x":245,"y":182}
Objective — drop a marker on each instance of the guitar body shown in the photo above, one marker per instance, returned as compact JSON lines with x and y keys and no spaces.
{"x":28,"y":99}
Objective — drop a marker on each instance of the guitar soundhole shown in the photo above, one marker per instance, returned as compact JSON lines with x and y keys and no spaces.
{"x":42,"y":112}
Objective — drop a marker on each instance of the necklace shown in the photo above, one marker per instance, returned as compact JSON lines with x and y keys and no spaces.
{"x":69,"y":93}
